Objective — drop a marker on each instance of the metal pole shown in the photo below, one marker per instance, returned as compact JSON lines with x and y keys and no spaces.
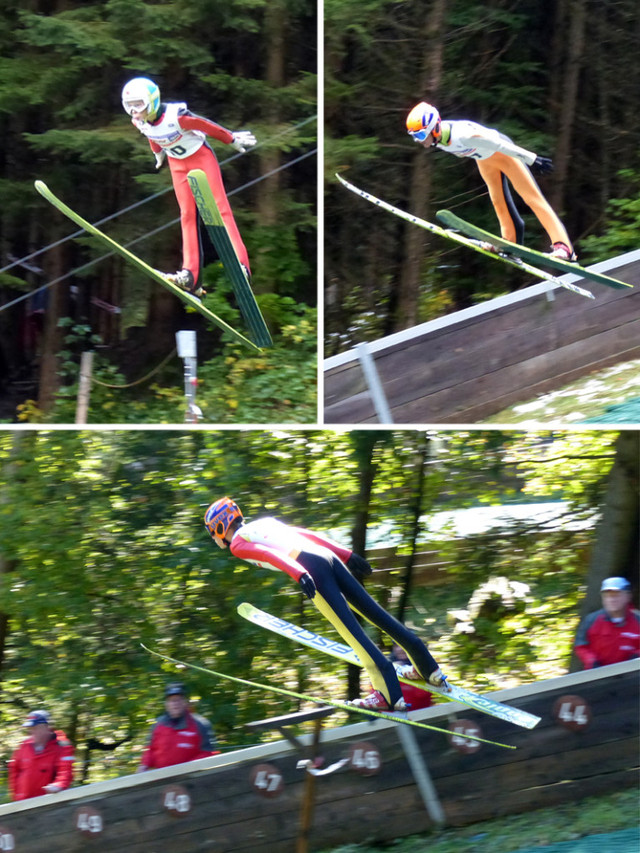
{"x":421,"y":775}
{"x":84,"y":387}
{"x":373,"y":381}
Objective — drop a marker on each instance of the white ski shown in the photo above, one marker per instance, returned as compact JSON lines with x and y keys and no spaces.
{"x":477,"y":245}
{"x":346,"y":653}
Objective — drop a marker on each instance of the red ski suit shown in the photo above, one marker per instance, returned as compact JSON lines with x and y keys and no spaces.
{"x":600,"y":641}
{"x":30,"y":771}
{"x":202,"y":158}
{"x":177,"y":741}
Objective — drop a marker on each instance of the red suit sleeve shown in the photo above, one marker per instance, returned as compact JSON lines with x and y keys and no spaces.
{"x":252,"y":551}
{"x":64,"y":774}
{"x":218,"y":132}
{"x":339,"y":550}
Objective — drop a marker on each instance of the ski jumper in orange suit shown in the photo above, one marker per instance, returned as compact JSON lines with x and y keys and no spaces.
{"x":182,"y":136}
{"x":499,"y":160}
{"x":272,"y":544}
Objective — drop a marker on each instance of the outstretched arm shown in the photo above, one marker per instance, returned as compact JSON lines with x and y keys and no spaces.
{"x":192,"y":122}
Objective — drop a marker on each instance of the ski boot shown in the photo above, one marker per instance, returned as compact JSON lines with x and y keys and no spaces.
{"x":184,"y":280}
{"x":562,"y":252}
{"x":375,"y":701}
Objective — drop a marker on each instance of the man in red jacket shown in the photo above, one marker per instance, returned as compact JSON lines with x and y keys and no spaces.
{"x":610,"y":635}
{"x":178,"y":735}
{"x":43,"y":763}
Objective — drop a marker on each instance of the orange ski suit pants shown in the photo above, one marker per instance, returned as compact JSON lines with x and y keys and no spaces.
{"x":204,"y":159}
{"x":492,"y":169}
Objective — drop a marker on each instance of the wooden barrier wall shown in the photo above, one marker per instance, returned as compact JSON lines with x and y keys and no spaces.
{"x":474,"y":363}
{"x":216,"y":808}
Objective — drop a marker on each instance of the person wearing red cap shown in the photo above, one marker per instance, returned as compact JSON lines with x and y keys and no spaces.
{"x":612,"y":634}
{"x":329,"y":575}
{"x":178,"y":735}
{"x":43,"y":763}
{"x":500,"y":162}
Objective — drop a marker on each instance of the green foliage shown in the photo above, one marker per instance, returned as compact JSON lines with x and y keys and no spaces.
{"x":61,"y":76}
{"x":492,"y":63}
{"x":103,"y":547}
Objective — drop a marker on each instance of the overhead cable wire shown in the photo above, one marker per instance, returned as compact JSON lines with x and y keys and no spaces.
{"x":152,"y":233}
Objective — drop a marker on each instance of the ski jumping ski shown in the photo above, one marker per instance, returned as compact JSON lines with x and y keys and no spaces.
{"x":472,"y":231}
{"x":346,"y":653}
{"x":477,"y":245}
{"x":335,"y":703}
{"x":135,"y":261}
{"x":217,"y":231}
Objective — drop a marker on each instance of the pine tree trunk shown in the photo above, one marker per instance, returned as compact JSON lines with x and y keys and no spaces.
{"x":415,"y":244}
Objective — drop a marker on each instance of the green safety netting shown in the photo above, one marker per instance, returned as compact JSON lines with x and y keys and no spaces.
{"x":620,"y":413}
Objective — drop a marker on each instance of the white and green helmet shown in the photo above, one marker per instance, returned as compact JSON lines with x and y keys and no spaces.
{"x":139,"y":94}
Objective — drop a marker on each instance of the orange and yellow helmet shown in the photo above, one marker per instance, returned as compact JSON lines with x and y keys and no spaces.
{"x":423,"y":120}
{"x":219,"y":517}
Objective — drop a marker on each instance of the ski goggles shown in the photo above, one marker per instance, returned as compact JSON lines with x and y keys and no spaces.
{"x":420,"y":135}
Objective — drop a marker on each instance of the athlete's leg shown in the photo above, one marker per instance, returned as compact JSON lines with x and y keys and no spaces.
{"x":525,"y":185}
{"x":333,"y":606}
{"x":360,"y":600}
{"x":191,"y":246}
{"x":518,"y":221}
{"x":205,"y":159}
{"x":492,"y":176}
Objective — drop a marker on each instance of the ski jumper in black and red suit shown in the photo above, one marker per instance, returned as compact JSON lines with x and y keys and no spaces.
{"x":270,"y":543}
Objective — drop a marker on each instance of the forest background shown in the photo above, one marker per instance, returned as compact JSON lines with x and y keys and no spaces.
{"x":102,"y":547}
{"x":556,"y":76}
{"x":242,"y":63}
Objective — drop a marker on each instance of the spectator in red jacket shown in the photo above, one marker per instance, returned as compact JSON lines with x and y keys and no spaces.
{"x":415,"y":697}
{"x":178,"y":735}
{"x":43,"y":763}
{"x":610,"y":635}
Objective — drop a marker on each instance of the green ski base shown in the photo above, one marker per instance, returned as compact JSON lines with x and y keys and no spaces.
{"x":452,"y":221}
{"x":217,"y":231}
{"x":335,"y":703}
{"x":135,"y":261}
{"x":346,"y":653}
{"x":465,"y":241}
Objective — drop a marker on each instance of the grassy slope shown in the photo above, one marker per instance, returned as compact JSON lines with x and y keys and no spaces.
{"x":591,"y":816}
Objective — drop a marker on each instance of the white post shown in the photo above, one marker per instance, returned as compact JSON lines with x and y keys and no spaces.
{"x":186,"y":341}
{"x":84,"y":387}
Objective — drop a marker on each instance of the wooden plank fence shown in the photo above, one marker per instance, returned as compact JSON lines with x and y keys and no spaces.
{"x":476,"y":362}
{"x":212,"y":805}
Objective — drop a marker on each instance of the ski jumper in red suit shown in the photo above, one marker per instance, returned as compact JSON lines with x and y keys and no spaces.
{"x":30,"y":769}
{"x":271,"y":544}
{"x":182,"y":136}
{"x":602,"y":640}
{"x":499,"y":160}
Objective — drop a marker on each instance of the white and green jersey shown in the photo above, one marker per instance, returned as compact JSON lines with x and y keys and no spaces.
{"x":467,"y":139}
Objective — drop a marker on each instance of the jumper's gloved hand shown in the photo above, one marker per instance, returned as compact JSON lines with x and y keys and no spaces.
{"x":358,"y":567}
{"x":160,"y":155}
{"x":307,"y":585}
{"x":243,"y":139}
{"x":542,"y":165}
{"x":439,"y":679}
